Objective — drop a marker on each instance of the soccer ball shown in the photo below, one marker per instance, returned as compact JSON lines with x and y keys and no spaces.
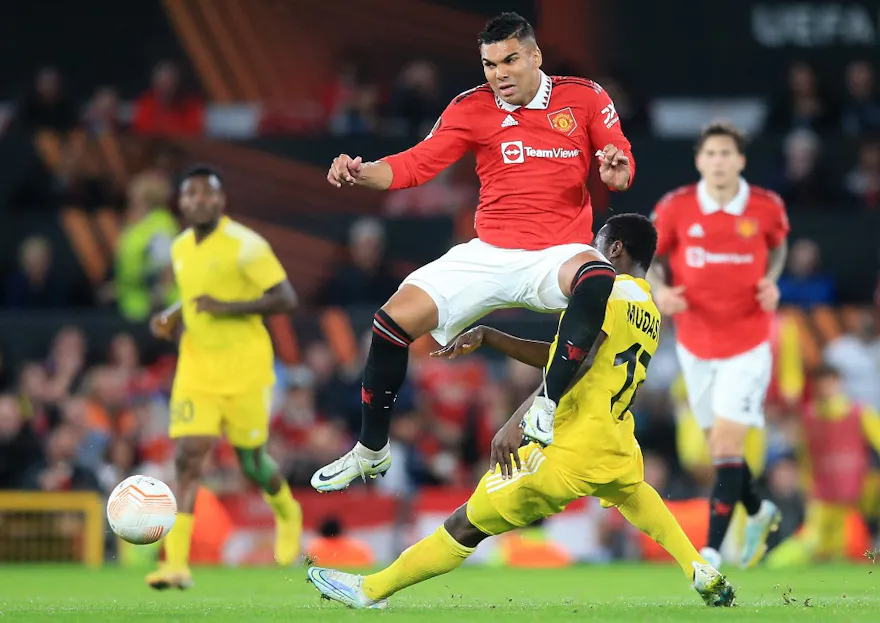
{"x":141,"y":510}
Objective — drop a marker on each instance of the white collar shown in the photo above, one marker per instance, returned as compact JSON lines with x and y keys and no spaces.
{"x":736,"y":206}
{"x":541,"y":100}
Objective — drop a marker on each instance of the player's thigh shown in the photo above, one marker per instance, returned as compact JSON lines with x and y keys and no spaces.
{"x":741,"y":386}
{"x":535,"y":492}
{"x":620,"y":489}
{"x":465,"y":284}
{"x":194,"y":414}
{"x":246,"y":418}
{"x":700,"y":381}
{"x":542,"y":274}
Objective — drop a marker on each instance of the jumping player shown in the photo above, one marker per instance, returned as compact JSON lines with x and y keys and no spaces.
{"x":594,"y":452}
{"x":228,"y":279}
{"x":535,"y":137}
{"x":726,"y":244}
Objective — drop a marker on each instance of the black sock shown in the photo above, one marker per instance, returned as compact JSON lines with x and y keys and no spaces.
{"x":580,"y":326}
{"x":750,"y":498}
{"x":726,"y":493}
{"x":383,"y":375}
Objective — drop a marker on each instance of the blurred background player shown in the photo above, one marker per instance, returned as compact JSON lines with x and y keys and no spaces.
{"x":726,"y":247}
{"x":532,"y":250}
{"x":229,"y":278}
{"x":595,"y":452}
{"x":838,"y":435}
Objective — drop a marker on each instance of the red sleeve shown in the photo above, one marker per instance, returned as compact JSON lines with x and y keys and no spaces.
{"x":603,"y":125}
{"x":662,"y":218}
{"x":193,"y":121}
{"x":778,"y":227}
{"x":447,"y":141}
{"x":143,"y":120}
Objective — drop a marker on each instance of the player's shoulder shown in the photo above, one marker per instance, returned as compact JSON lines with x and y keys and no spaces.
{"x":630,"y":290}
{"x":765,"y":198}
{"x":676,"y":198}
{"x":576,"y":83}
{"x":182,"y":241}
{"x":476,"y":96}
{"x":248,"y":241}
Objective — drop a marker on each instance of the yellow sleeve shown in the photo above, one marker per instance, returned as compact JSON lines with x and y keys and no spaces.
{"x":259,"y":264}
{"x":871,"y":427}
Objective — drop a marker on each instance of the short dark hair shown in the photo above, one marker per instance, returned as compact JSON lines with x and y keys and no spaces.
{"x":506,"y":26}
{"x":825,"y":371}
{"x":722,"y":128}
{"x":638,"y":235}
{"x":201,"y":170}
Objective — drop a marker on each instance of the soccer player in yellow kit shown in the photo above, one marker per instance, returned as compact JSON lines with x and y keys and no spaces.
{"x":589,"y":449}
{"x":228,"y":278}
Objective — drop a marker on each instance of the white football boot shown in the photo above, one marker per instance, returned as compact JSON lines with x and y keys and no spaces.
{"x":758,"y":528}
{"x":537,"y":423}
{"x":712,"y":556}
{"x":360,"y":462}
{"x":346,"y":588}
{"x":713,"y":587}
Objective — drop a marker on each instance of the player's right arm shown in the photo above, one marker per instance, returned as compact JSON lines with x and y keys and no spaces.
{"x":446,"y":142}
{"x":670,"y":300}
{"x":529,"y":352}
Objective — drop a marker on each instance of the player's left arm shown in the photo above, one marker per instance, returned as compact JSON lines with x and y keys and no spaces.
{"x":260,"y":266}
{"x":777,"y":243}
{"x":617,"y":167}
{"x":871,"y":427}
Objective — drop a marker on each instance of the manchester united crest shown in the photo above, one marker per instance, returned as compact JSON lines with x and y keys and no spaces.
{"x":746,"y":227}
{"x":563,"y":121}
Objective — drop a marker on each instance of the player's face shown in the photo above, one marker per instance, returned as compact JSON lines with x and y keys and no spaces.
{"x":202,"y":199}
{"x":511,"y":68}
{"x":719,"y":161}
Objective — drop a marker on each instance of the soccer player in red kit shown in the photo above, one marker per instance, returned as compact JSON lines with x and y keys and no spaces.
{"x":535,"y":138}
{"x":726,"y":246}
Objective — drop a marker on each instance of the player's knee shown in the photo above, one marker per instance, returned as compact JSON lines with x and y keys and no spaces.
{"x":411,"y":311}
{"x":462,"y":530}
{"x":725,"y":444}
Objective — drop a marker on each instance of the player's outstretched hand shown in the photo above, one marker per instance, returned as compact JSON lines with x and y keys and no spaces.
{"x":614,"y":167}
{"x":768,"y":295}
{"x":464,"y":344}
{"x":670,"y":301}
{"x":504,"y":451}
{"x":345,"y":170}
{"x":164,"y":325}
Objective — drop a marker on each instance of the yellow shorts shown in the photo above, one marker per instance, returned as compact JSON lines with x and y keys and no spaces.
{"x":244,"y":418}
{"x":538,"y":491}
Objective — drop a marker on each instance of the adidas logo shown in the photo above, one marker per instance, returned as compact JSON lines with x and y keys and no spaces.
{"x":509,"y":121}
{"x":696,"y":231}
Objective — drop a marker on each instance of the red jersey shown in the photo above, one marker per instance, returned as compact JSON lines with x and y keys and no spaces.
{"x":719,"y":254}
{"x":838,"y":455}
{"x":532,"y":160}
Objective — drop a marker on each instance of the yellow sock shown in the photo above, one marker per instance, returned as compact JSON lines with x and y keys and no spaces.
{"x":283,"y":505}
{"x":646,"y":511}
{"x":178,"y":540}
{"x":430,"y":557}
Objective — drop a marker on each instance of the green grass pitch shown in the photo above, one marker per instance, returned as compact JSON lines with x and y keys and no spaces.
{"x":602,"y":593}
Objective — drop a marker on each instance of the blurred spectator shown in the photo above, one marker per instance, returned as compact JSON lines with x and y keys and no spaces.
{"x":165,"y":110}
{"x":120,"y":461}
{"x":333,"y":547}
{"x":365,"y":278}
{"x":804,"y":106}
{"x":102,"y":112}
{"x":35,"y":284}
{"x":445,"y":194}
{"x":351,"y":101}
{"x":45,"y":106}
{"x":861,"y":108}
{"x":60,"y":471}
{"x":856,"y":356}
{"x":631,"y":110}
{"x":63,"y":370}
{"x":785,"y":481}
{"x":19,"y":446}
{"x":143,"y":276}
{"x":803,"y":183}
{"x":863,"y":182}
{"x":415,"y":102}
{"x":92,"y":441}
{"x":108,"y":403}
{"x":803,"y":283}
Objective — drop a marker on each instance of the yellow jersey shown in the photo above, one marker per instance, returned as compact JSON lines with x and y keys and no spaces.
{"x":224,"y":354}
{"x":594,"y":428}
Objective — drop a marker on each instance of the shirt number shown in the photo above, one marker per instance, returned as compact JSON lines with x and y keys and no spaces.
{"x":610,"y":113}
{"x":633,"y":356}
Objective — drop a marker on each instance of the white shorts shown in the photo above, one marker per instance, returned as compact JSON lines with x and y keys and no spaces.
{"x":475,"y":278}
{"x":732,"y":389}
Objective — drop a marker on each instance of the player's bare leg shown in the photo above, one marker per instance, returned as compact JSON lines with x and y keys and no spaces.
{"x":407,"y":316}
{"x":586,"y":279}
{"x":734,"y":483}
{"x":261,"y":470}
{"x":191,"y":455}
